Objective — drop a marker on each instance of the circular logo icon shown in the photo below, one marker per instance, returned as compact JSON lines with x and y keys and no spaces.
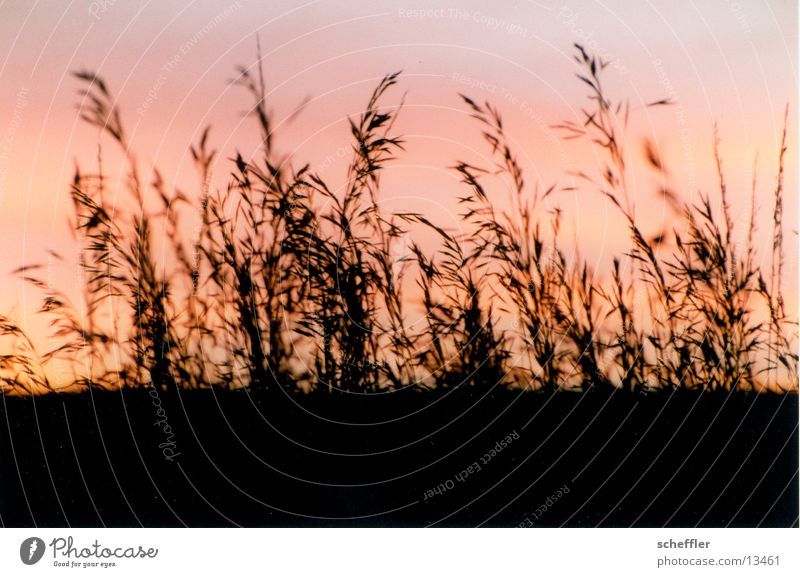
{"x":31,"y":550}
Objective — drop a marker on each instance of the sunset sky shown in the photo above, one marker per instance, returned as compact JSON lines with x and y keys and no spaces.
{"x":170,"y":64}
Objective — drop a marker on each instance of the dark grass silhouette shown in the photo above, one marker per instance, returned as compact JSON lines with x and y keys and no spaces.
{"x":258,"y":459}
{"x":258,"y":344}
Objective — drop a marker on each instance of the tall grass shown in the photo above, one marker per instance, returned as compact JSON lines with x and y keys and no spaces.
{"x":287,"y":284}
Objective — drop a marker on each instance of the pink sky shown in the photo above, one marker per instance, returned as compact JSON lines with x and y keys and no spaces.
{"x":169,"y":64}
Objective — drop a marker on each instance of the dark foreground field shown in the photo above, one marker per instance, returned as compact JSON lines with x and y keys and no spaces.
{"x":452,"y":458}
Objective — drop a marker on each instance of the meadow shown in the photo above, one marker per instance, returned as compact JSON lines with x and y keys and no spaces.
{"x":268,"y":341}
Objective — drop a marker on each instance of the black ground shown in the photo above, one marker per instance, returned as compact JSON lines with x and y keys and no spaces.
{"x":399,"y":459}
